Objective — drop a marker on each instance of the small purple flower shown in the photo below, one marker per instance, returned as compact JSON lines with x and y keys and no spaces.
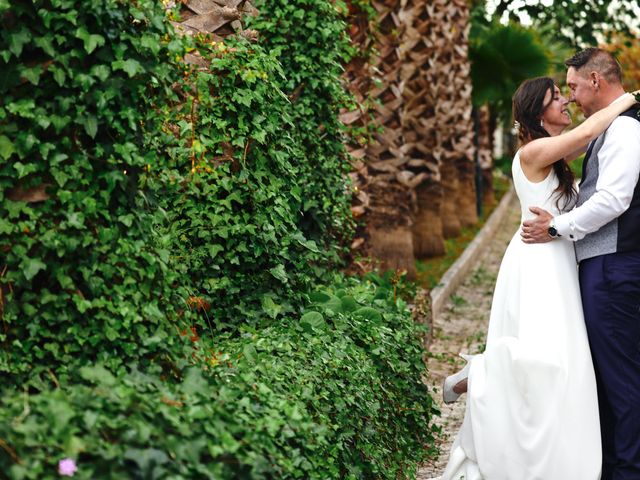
{"x":67,"y":467}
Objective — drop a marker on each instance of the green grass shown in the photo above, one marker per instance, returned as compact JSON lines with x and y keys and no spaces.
{"x":431,"y":270}
{"x":480,"y":276}
{"x":458,"y":301}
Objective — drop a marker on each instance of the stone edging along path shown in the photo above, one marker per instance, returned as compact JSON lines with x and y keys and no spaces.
{"x":463,"y":265}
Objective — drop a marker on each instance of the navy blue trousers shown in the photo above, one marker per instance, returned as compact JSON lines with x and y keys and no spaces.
{"x":610,"y":286}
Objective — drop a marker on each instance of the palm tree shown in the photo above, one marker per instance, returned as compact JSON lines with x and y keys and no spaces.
{"x":502,"y":56}
{"x":484,"y":130}
{"x":207,"y":16}
{"x":437,"y":120}
{"x":383,"y":187}
{"x":420,"y":129}
{"x":460,"y":123}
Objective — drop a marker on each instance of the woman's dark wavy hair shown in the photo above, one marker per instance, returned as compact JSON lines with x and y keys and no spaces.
{"x":528,"y":106}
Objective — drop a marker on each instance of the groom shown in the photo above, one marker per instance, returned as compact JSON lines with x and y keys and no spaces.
{"x":605,"y":227}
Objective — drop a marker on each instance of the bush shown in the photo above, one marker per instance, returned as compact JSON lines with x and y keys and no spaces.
{"x":333,"y":394}
{"x":261,"y":211}
{"x":310,"y":40}
{"x":235,"y":226}
{"x":80,"y":277}
{"x":136,"y":190}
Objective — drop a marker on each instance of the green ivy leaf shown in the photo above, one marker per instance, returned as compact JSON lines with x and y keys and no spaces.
{"x":260,"y":136}
{"x":310,"y":245}
{"x":148,"y":460}
{"x":75,"y":219}
{"x":270,"y":307}
{"x":18,"y":40}
{"x":6,"y":147}
{"x":127,"y":220}
{"x":91,"y":41}
{"x":31,"y":267}
{"x":349,"y":304}
{"x":98,"y":374}
{"x":46,"y":44}
{"x":150,"y":42}
{"x":333,"y":304}
{"x":130,"y":66}
{"x":214,"y":249}
{"x":59,"y":122}
{"x":60,"y":176}
{"x":24,"y":108}
{"x":58,"y":75}
{"x":319,"y":297}
{"x":250,"y":353}
{"x":43,"y":122}
{"x":91,"y":125}
{"x":6,"y":227}
{"x":100,"y":71}
{"x":24,"y":170}
{"x":194,"y":382}
{"x":368,"y":313}
{"x":280,"y":273}
{"x":312,"y":320}
{"x":32,"y":75}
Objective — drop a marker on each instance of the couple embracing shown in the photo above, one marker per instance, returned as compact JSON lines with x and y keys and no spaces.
{"x":556,"y":394}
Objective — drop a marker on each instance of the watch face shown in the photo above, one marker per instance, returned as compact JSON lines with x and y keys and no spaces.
{"x":552,"y":231}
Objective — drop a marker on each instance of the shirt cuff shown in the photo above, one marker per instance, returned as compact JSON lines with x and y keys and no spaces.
{"x":566,"y":227}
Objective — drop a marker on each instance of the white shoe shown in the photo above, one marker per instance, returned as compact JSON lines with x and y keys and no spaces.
{"x":448,"y":395}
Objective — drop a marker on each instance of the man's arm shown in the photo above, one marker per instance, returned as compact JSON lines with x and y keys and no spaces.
{"x":619,"y":165}
{"x":619,"y":169}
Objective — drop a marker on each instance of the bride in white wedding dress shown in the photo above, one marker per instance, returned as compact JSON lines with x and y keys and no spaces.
{"x":532,"y":408}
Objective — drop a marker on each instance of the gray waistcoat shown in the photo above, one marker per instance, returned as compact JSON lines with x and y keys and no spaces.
{"x":622,"y":233}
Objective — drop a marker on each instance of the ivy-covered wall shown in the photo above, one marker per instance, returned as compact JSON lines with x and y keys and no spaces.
{"x":255,"y":184}
{"x":81,"y":275}
{"x":163,"y":226}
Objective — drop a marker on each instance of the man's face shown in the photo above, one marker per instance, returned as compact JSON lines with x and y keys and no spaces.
{"x":583,"y":92}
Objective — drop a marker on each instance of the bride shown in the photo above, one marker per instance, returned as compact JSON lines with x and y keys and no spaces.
{"x":532,"y":408}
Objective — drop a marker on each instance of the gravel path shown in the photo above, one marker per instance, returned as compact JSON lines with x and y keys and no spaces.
{"x":462,"y":327}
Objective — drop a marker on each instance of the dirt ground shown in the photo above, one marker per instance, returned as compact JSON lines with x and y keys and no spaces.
{"x":461,"y":328}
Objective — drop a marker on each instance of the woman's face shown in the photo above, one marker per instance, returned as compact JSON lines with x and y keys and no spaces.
{"x":556,"y":115}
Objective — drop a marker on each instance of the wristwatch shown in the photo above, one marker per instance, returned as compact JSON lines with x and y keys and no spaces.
{"x":552,"y":230}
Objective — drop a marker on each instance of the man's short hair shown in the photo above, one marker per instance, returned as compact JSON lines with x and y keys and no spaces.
{"x":597,"y":60}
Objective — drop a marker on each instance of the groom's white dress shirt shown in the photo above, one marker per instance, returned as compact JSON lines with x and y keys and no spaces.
{"x":619,"y":170}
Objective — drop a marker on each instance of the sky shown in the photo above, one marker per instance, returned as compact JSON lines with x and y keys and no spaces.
{"x":526,"y":20}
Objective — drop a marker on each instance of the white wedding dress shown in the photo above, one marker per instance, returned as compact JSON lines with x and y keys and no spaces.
{"x":532,"y":409}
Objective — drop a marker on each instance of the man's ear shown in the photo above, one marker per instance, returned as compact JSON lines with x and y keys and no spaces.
{"x":595,"y":79}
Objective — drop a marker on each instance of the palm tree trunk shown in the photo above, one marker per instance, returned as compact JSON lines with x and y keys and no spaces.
{"x":419,"y":121}
{"x":437,"y":120}
{"x":485,"y":153}
{"x":428,"y":238}
{"x":383,"y":196}
{"x":451,"y":225}
{"x":466,"y":199}
{"x":389,"y":233}
{"x":455,"y":108}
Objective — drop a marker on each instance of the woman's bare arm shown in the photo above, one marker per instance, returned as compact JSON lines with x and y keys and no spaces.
{"x":542,"y":152}
{"x":576,"y":153}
